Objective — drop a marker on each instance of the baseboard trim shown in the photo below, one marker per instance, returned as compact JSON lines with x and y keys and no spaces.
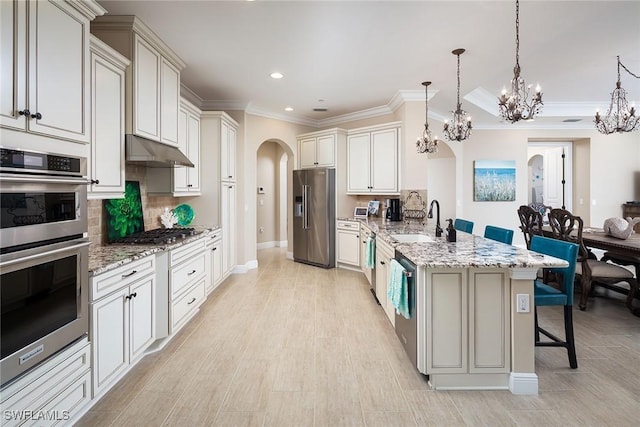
{"x":523,"y":383}
{"x":290,"y":255}
{"x":273,"y":244}
{"x":242,"y":269}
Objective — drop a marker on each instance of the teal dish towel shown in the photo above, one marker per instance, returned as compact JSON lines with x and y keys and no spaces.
{"x":370,"y":253}
{"x":398,"y":289}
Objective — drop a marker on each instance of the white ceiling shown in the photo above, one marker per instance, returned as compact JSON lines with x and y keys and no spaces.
{"x":359,"y":59}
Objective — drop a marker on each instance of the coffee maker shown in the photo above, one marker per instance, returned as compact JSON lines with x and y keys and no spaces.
{"x":394,"y":212}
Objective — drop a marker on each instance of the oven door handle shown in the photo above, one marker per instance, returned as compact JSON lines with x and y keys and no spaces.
{"x":46,"y":179}
{"x":65,"y":248}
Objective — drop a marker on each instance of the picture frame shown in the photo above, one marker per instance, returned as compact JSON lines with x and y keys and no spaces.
{"x":360,"y":212}
{"x":494,"y":180}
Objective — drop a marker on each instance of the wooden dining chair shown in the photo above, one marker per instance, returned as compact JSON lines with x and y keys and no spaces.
{"x":545,"y":294}
{"x":590,"y":271}
{"x":498,"y":234}
{"x":463,"y":225}
{"x":530,"y":223}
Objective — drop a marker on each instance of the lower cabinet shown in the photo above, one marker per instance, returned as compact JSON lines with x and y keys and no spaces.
{"x":122,"y":321}
{"x":348,"y":241}
{"x":214,"y":261}
{"x":58,"y":389}
{"x":187,"y":282}
{"x":384,"y":255}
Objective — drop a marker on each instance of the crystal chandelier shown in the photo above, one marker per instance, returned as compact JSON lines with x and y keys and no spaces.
{"x":460,"y":127}
{"x":620,"y":116}
{"x":427,"y":144}
{"x":516,"y":105}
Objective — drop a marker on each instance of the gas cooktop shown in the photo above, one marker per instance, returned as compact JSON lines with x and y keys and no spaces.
{"x":159,"y":236}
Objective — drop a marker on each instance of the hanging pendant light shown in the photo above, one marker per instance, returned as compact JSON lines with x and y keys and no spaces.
{"x":516,"y":105}
{"x":427,"y":144}
{"x":620,"y":116}
{"x":460,"y":127}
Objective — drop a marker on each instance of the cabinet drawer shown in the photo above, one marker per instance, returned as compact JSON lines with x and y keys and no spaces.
{"x":185,"y":275}
{"x":184,"y":252}
{"x":187,"y":304}
{"x":348,"y":225}
{"x":104,"y":284}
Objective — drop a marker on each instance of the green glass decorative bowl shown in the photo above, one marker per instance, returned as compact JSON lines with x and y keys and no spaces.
{"x":184,"y":214}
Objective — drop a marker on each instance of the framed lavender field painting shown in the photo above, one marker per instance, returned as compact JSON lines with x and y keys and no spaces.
{"x":494,"y":180}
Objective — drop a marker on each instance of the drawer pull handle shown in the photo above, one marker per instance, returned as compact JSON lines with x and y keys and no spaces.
{"x":192,"y":301}
{"x":130,"y":274}
{"x":214,"y":249}
{"x":191,"y":273}
{"x":382,"y":262}
{"x":133,"y":295}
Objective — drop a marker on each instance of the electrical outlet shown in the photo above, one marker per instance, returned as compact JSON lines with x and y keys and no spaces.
{"x":523,"y":303}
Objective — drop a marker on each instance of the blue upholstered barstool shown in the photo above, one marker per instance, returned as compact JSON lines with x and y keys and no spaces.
{"x":544,"y":294}
{"x":463,"y":225}
{"x":499,"y":234}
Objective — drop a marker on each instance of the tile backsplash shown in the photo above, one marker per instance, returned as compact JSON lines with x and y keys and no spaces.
{"x":152,"y":207}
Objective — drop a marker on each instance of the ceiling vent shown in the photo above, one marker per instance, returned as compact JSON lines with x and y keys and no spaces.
{"x":320,"y":109}
{"x":571,"y":120}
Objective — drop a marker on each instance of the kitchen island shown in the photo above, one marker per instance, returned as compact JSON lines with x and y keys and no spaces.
{"x":470,"y":333}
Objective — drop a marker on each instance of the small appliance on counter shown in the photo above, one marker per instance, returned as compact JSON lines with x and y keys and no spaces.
{"x":394,"y":210}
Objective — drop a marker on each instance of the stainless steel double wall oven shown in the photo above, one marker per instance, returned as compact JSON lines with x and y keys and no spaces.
{"x":43,"y":257}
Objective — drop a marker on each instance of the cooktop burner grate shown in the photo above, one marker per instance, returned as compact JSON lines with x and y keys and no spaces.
{"x":158,"y":236}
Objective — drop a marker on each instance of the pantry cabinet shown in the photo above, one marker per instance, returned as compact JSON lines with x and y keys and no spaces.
{"x":214,"y":261}
{"x":228,"y":130}
{"x":122,"y":319}
{"x":373,"y":159}
{"x":42,"y":92}
{"x":319,"y":149}
{"x":153,"y":80}
{"x":228,"y":194}
{"x":106,"y":165}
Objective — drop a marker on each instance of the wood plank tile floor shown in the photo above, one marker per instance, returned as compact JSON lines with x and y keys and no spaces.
{"x":292,"y":345}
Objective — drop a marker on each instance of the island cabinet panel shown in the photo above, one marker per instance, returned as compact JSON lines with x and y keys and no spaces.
{"x":489,"y":338}
{"x":447,"y":325}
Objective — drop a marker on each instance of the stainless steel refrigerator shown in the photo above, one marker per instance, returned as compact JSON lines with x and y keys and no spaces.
{"x":314,"y":216}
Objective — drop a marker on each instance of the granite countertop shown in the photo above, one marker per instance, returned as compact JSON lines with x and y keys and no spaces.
{"x":468,"y":251}
{"x":103,"y":258}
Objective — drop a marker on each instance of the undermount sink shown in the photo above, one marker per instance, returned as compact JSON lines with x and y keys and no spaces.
{"x":411,"y":238}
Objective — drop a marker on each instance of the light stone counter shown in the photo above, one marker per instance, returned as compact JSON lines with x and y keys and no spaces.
{"x":103,"y":258}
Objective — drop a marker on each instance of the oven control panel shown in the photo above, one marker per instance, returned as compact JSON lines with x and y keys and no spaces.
{"x":29,"y":161}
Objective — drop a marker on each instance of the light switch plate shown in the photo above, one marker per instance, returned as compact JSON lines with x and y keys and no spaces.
{"x":522,"y":301}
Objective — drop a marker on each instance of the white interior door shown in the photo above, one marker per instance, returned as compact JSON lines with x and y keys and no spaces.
{"x":552,"y":182}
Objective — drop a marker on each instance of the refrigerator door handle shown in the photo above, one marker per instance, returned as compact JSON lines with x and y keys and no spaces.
{"x":305,"y":207}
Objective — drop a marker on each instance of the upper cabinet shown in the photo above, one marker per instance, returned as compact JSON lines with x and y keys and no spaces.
{"x":373,"y":160}
{"x":318,"y":149}
{"x":228,"y":130}
{"x":153,"y":80}
{"x":45,"y":67}
{"x":106,"y":165}
{"x":181,"y":181}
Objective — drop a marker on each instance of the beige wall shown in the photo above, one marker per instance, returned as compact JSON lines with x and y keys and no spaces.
{"x":268,"y":207}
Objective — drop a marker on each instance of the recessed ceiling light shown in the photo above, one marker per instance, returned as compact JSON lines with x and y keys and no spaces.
{"x":288,"y":109}
{"x":276,"y":75}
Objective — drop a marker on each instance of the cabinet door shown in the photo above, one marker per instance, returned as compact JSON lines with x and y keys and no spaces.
{"x":141,"y":316}
{"x":180,"y":175}
{"x":216,"y":264}
{"x":326,"y":151}
{"x":382,"y":266}
{"x":107,"y":142}
{"x":384,"y":161}
{"x":358,"y":163}
{"x":146,"y":87}
{"x":109,"y":338}
{"x":193,"y":152}
{"x":58,"y":77}
{"x":13,"y":63}
{"x":228,"y":215}
{"x":307,"y":153}
{"x":169,"y":102}
{"x":349,"y":247}
{"x":227,"y":152}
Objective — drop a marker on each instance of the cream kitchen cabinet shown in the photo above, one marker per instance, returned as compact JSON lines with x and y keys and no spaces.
{"x":214,"y":261}
{"x":181,"y":181}
{"x":45,"y":71}
{"x":365,"y":233}
{"x":319,"y":149}
{"x":228,"y":194}
{"x":348,"y":241}
{"x":106,"y":165}
{"x":384,"y":255}
{"x":153,"y":80}
{"x":187,"y":282}
{"x":228,"y":130}
{"x":122,"y":320}
{"x":373,"y":159}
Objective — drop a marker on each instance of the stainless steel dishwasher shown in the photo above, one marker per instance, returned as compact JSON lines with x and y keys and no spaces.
{"x":407,"y":329}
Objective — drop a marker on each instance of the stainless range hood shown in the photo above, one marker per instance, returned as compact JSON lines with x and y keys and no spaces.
{"x":154,"y":154}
